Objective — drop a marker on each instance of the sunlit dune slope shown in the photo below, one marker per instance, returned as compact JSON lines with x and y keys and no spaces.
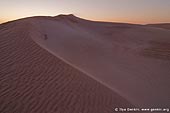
{"x":131,"y":59}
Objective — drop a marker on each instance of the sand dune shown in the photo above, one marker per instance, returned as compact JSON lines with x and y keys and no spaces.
{"x":120,"y":56}
{"x":164,"y":25}
{"x":34,"y":81}
{"x":66,"y":64}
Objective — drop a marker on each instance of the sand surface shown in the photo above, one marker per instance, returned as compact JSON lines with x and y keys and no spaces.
{"x":65,"y":64}
{"x":132,"y":60}
{"x":34,"y":81}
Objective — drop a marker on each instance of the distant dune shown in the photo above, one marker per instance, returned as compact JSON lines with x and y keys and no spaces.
{"x":164,"y":25}
{"x":66,"y":64}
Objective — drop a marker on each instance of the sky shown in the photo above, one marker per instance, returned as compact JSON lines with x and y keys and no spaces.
{"x":127,"y":11}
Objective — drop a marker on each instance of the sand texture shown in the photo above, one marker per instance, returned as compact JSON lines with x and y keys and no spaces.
{"x":66,"y":64}
{"x":34,"y":81}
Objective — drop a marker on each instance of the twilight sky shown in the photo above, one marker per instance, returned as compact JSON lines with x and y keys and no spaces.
{"x":133,"y":11}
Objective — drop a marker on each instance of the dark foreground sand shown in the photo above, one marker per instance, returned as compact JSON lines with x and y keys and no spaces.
{"x":34,"y":81}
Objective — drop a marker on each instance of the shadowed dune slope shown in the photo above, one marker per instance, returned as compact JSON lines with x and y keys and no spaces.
{"x":34,"y":81}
